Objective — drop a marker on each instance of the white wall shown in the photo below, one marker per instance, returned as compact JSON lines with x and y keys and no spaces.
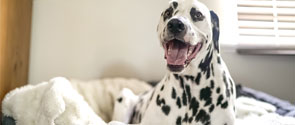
{"x":96,"y":38}
{"x":90,"y":39}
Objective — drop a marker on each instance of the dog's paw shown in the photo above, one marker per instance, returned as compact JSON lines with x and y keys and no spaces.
{"x":124,"y":104}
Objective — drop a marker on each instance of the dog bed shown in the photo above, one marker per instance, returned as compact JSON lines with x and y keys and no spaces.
{"x":60,"y":101}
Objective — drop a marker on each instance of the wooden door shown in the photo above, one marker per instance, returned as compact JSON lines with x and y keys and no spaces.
{"x":15,"y":31}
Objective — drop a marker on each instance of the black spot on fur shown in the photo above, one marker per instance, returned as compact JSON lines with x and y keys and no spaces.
{"x":211,"y":108}
{"x":176,"y":12}
{"x":178,"y":103}
{"x":219,"y":99}
{"x":188,"y":92}
{"x":120,"y":99}
{"x":218,"y":60}
{"x":226,"y":85}
{"x":218,"y":90}
{"x":162,"y":88}
{"x":175,"y":4}
{"x":158,"y":101}
{"x":176,"y":76}
{"x":232,"y":85}
{"x":173,"y":93}
{"x":166,"y":109}
{"x":185,"y":119}
{"x":168,"y":13}
{"x":198,"y":78}
{"x":215,"y":30}
{"x":196,"y":15}
{"x":194,"y":105}
{"x":224,"y":105}
{"x":178,"y":120}
{"x":184,"y":99}
{"x":190,"y":119}
{"x":208,"y":102}
{"x":205,"y":94}
{"x":186,"y":77}
{"x":203,"y":117}
{"x":189,"y":77}
{"x":209,"y":47}
{"x":205,"y":64}
{"x":133,"y":116}
{"x":181,"y":82}
{"x":163,"y":101}
{"x":211,"y":84}
{"x":232,"y":90}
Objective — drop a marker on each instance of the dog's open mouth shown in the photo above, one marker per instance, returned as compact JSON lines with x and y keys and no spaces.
{"x":178,"y":54}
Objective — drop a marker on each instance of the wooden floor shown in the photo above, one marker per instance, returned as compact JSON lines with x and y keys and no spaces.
{"x":15,"y":31}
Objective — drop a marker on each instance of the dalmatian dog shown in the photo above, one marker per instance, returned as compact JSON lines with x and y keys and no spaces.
{"x":198,"y":88}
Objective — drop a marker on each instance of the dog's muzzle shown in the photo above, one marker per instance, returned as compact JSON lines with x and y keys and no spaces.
{"x":178,"y":52}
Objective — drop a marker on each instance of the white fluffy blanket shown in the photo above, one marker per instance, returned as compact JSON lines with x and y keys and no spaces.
{"x":49,"y":103}
{"x":254,"y":112}
{"x":64,"y":102}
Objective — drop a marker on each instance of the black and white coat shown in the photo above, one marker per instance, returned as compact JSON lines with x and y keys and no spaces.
{"x":203,"y":93}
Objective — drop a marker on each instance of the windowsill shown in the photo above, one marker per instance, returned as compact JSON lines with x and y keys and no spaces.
{"x":260,"y":48}
{"x":266,"y":52}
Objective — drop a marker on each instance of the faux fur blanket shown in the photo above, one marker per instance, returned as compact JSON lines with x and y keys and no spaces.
{"x":67,"y":102}
{"x":72,"y":102}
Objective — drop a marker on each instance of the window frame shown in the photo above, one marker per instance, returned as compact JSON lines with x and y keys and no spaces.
{"x":255,"y":46}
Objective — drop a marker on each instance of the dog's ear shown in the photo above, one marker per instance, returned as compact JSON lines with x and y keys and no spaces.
{"x":215,"y":30}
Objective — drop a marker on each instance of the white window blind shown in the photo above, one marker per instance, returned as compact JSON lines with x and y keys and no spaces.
{"x":266,"y":22}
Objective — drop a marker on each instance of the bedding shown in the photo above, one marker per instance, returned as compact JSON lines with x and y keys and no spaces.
{"x":250,"y":111}
{"x":283,"y":107}
{"x":48,"y":103}
{"x":60,"y":101}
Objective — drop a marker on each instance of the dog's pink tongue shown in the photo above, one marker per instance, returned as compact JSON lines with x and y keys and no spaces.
{"x":177,"y":53}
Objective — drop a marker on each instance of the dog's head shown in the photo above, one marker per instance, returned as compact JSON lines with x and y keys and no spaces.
{"x":185,"y":28}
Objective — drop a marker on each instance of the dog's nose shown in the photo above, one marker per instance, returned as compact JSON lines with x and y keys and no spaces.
{"x":175,"y":26}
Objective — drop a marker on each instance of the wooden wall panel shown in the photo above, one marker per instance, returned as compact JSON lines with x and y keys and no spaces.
{"x":15,"y":31}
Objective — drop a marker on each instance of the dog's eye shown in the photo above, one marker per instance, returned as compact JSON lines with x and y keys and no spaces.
{"x":196,"y":15}
{"x":168,"y":13}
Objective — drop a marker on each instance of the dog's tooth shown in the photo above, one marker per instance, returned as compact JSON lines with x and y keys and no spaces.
{"x":190,"y":51}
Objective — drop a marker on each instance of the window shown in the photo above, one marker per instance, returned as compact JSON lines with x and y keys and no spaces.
{"x":267,"y":25}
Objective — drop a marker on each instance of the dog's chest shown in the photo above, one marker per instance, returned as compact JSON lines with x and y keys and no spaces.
{"x":188,"y":99}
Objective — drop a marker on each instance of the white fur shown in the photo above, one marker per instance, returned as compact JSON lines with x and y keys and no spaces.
{"x":126,"y":107}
